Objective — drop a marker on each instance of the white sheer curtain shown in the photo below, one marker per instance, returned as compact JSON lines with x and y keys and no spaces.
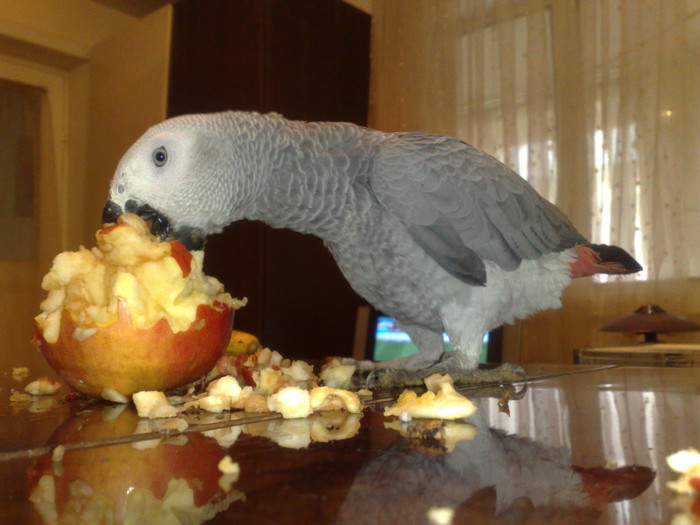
{"x":640,"y":66}
{"x":595,"y":102}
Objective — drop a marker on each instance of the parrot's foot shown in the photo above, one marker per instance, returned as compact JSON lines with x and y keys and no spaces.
{"x":403,"y":377}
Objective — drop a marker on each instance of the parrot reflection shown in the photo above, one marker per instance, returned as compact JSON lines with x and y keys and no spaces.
{"x":487,"y":476}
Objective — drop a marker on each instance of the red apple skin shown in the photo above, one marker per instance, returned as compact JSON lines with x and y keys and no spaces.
{"x":130,"y":359}
{"x":182,"y":256}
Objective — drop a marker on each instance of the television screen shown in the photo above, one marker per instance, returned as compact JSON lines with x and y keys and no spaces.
{"x":390,"y":342}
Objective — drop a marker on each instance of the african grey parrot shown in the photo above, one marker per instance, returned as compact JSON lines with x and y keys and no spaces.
{"x":430,"y":230}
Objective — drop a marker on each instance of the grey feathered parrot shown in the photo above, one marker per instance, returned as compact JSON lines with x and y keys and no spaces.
{"x":430,"y":230}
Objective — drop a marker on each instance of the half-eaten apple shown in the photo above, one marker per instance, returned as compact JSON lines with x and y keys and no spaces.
{"x":132,"y":313}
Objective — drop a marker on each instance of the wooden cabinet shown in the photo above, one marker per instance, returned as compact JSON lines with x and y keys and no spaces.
{"x":305,"y":59}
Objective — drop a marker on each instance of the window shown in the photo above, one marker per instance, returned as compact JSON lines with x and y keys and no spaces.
{"x":506,"y":92}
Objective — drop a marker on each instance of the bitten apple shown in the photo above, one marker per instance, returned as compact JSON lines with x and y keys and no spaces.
{"x":132,"y":313}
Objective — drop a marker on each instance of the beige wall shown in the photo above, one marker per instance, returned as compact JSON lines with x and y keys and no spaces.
{"x":128,"y":89}
{"x":106,"y":78}
{"x":551,"y":336}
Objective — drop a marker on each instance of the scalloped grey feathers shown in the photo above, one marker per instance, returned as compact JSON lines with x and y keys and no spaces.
{"x":462,"y":205}
{"x":413,"y":220}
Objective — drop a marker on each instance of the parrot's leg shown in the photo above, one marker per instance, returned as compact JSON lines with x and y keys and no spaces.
{"x":451,"y":364}
{"x":461,"y":363}
{"x":458,"y":362}
{"x":430,"y":350}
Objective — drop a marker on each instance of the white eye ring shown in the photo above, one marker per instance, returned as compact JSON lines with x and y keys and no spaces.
{"x":160,"y":156}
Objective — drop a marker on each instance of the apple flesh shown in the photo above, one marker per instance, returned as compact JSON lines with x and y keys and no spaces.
{"x":132,"y":314}
{"x":130,"y":359}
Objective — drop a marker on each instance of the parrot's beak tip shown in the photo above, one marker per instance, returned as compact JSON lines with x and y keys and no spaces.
{"x":111,"y":212}
{"x":190,"y":237}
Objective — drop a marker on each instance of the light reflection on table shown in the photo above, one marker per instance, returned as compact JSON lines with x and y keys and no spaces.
{"x":568,"y":427}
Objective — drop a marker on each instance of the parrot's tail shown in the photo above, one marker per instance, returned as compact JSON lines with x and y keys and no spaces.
{"x":601,"y":258}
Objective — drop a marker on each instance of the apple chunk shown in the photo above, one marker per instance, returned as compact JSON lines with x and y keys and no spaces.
{"x":133,"y":313}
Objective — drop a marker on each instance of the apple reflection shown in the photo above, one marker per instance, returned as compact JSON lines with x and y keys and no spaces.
{"x":158,"y":481}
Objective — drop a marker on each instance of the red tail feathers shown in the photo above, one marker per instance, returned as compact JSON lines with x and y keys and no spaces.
{"x":592,"y":259}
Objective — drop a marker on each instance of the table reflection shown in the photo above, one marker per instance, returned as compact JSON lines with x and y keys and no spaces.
{"x":576,"y":446}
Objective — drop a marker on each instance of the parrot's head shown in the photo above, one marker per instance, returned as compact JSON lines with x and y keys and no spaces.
{"x":189,"y":176}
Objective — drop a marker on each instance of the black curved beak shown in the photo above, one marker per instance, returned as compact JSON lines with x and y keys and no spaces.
{"x":111,"y":212}
{"x":191,"y":238}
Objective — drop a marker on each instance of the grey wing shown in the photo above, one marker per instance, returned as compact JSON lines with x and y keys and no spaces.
{"x":463,"y":206}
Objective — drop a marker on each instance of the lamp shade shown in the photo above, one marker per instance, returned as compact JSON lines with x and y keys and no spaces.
{"x":651,"y":320}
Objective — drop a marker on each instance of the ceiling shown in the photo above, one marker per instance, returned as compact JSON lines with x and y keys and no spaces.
{"x":141,"y":8}
{"x":137,"y":8}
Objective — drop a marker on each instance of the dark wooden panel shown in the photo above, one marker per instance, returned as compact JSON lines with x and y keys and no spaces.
{"x":318,"y":60}
{"x":236,"y":258}
{"x":310,"y":309}
{"x":308,"y":60}
{"x":217,"y":56}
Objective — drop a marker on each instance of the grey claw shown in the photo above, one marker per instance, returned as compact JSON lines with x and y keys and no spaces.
{"x":375,"y":378}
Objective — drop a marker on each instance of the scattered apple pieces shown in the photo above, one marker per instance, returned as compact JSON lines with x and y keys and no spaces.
{"x":294,"y":402}
{"x":338,"y":375}
{"x":227,"y":466}
{"x":20,"y":373}
{"x":110,"y":394}
{"x":433,"y":382}
{"x":269,"y":380}
{"x":330,"y":398}
{"x":291,"y":401}
{"x":686,"y":463}
{"x":153,"y":404}
{"x":57,"y":454}
{"x":447,"y":403}
{"x":42,"y":387}
{"x":251,"y":401}
{"x":300,"y":372}
{"x":226,"y":388}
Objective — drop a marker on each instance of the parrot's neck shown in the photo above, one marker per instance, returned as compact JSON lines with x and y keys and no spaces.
{"x":316,"y":180}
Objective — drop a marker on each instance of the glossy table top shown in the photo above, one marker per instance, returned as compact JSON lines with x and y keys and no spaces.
{"x":573,"y":445}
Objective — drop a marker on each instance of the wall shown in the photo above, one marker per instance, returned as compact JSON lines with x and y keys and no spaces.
{"x":552,"y":336}
{"x":85,"y":57}
{"x":128,"y":87}
{"x":71,"y":27}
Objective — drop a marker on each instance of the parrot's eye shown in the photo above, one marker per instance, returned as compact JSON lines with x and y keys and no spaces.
{"x":160,"y":157}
